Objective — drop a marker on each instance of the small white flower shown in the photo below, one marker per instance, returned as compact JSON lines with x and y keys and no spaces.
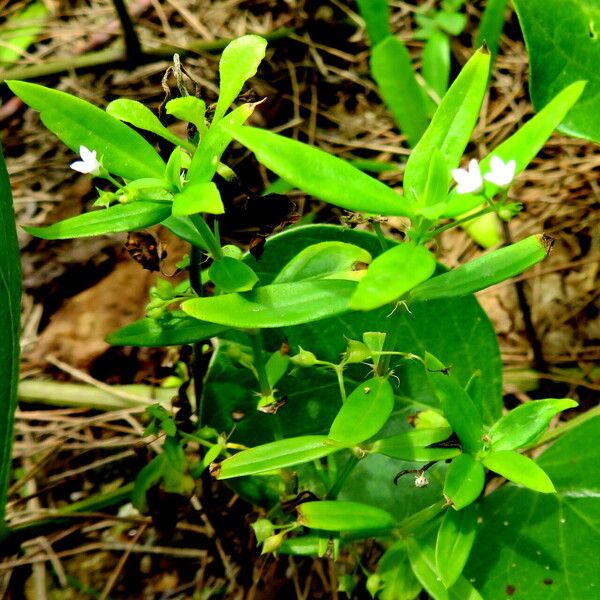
{"x":88,"y":163}
{"x":502,"y":174}
{"x":469,"y":180}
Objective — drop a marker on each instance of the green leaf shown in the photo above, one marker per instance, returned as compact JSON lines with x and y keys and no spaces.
{"x":392,"y":70}
{"x":491,"y":25}
{"x":521,"y":147}
{"x":321,"y":174}
{"x":175,"y":330}
{"x":232,"y":275}
{"x":562,"y":40}
{"x":376,"y":16}
{"x":455,"y":539}
{"x":399,"y":580}
{"x":451,"y":22}
{"x":464,"y":481}
{"x":77,"y":123}
{"x":335,"y":515}
{"x":436,"y":62}
{"x":276,"y":455}
{"x":183,"y":228}
{"x":200,"y":197}
{"x":458,"y":408}
{"x":239,"y":62}
{"x":147,"y":478}
{"x":277,"y":305}
{"x":486,"y":270}
{"x":391,"y":275}
{"x":520,"y":469}
{"x":525,"y":423}
{"x":412,"y":445}
{"x":324,"y":260}
{"x":114,"y":219}
{"x":451,"y":126}
{"x":137,"y":114}
{"x":364,"y":412}
{"x":10,"y":328}
{"x":435,"y":195}
{"x":276,"y":367}
{"x":544,"y":545}
{"x":20,"y":30}
{"x":190,"y":109}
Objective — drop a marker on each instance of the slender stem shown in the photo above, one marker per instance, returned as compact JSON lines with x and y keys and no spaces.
{"x":207,"y":236}
{"x":259,"y":362}
{"x":133,"y":48}
{"x":380,"y":236}
{"x":481,"y":213}
{"x":339,"y":372}
{"x":333,"y":492}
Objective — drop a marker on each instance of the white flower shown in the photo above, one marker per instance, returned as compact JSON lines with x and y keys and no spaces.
{"x":502,"y":174}
{"x":88,"y":163}
{"x":469,"y":180}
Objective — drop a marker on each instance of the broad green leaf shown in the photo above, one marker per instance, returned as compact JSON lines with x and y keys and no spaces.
{"x":200,"y":197}
{"x":335,"y":515}
{"x":422,"y":559}
{"x":391,"y":275}
{"x":364,"y":413}
{"x":562,"y":41}
{"x":491,"y":25}
{"x":77,"y":123}
{"x":323,"y":260}
{"x":521,"y":147}
{"x":520,"y":469}
{"x":232,"y":275}
{"x":435,"y":195}
{"x":137,"y":114}
{"x":455,"y":539}
{"x":188,"y":108}
{"x":276,"y":305}
{"x":392,"y":70}
{"x":206,"y":158}
{"x":436,"y":62}
{"x":148,"y":477}
{"x":486,"y":270}
{"x":399,"y":580}
{"x":114,"y":219}
{"x":321,"y":174}
{"x":238,"y":63}
{"x":451,"y":126}
{"x":464,"y":481}
{"x":544,"y":545}
{"x":174,"y":330}
{"x":412,"y":445}
{"x":458,"y":408}
{"x":20,"y":30}
{"x":376,"y":16}
{"x":183,"y":228}
{"x":276,"y":455}
{"x":525,"y":423}
{"x":10,"y":327}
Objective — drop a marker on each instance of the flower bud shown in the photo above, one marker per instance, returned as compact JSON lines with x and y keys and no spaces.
{"x":272,"y":543}
{"x":304,"y":358}
{"x":263,"y":529}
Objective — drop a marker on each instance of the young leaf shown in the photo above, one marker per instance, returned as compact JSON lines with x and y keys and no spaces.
{"x":451,"y":126}
{"x":321,"y":174}
{"x":464,"y":481}
{"x":190,"y":109}
{"x":485,"y":271}
{"x":77,"y":123}
{"x":276,"y":367}
{"x":454,"y":542}
{"x":522,"y":146}
{"x":435,"y":195}
{"x":232,"y":275}
{"x":391,"y":275}
{"x":200,"y":197}
{"x":392,"y":70}
{"x":456,"y":404}
{"x":520,"y":469}
{"x":364,"y":413}
{"x":239,"y":62}
{"x":137,"y":114}
{"x":114,"y":219}
{"x":335,"y":515}
{"x":436,"y":62}
{"x":148,"y":477}
{"x":276,"y":455}
{"x":276,"y":305}
{"x":10,"y":327}
{"x":525,"y":423}
{"x":376,"y":16}
{"x":177,"y":330}
{"x":323,"y":260}
{"x":183,"y":228}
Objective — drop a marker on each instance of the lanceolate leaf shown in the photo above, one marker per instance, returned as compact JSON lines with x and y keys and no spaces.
{"x":77,"y":123}
{"x":520,"y":469}
{"x":376,"y":16}
{"x":343,"y":516}
{"x":10,"y":325}
{"x":464,"y":481}
{"x":276,"y":305}
{"x":321,"y":174}
{"x":117,"y":218}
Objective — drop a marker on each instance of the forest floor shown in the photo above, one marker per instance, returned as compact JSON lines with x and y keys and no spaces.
{"x":72,"y":442}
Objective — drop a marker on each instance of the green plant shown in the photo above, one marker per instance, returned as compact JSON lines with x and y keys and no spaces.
{"x":352,"y":358}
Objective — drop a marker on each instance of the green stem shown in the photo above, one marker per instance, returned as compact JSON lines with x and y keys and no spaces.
{"x":207,"y":236}
{"x":198,"y":358}
{"x":390,"y":341}
{"x":380,"y":236}
{"x":333,"y":492}
{"x":259,"y":362}
{"x":339,"y":372}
